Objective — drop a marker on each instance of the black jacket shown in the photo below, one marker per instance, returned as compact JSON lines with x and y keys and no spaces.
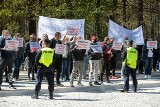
{"x":6,"y":53}
{"x":30,"y":55}
{"x":94,"y":56}
{"x":77,"y":54}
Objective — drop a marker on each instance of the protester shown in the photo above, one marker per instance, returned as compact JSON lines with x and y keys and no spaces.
{"x":18,"y":60}
{"x":94,"y":62}
{"x":130,"y":62}
{"x":124,"y":48}
{"x":105,"y":61}
{"x":58,"y":60}
{"x":113,"y":60}
{"x":66,"y":60}
{"x":78,"y":63}
{"x":31,"y":57}
{"x":7,"y":59}
{"x":44,"y":36}
{"x":45,"y":59}
{"x":148,"y":60}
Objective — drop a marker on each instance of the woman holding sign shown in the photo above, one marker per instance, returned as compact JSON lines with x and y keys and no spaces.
{"x":66,"y":60}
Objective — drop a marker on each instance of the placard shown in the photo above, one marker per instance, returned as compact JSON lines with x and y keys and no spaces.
{"x":20,"y":42}
{"x":34,"y":46}
{"x":117,"y":46}
{"x":60,"y":49}
{"x":83,"y":44}
{"x":151,"y":44}
{"x":11,"y":45}
{"x":96,"y":48}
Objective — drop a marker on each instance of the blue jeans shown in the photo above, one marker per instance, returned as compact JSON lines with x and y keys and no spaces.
{"x":17,"y":65}
{"x":148,"y":65}
{"x":86,"y":61}
{"x":65,"y":68}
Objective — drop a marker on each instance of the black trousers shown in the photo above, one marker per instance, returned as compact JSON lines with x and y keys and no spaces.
{"x":155,"y":59}
{"x":58,"y":68}
{"x":31,"y":68}
{"x":3,"y":64}
{"x":127,"y":72}
{"x":113,"y":66}
{"x":49,"y":74}
{"x":105,"y":69}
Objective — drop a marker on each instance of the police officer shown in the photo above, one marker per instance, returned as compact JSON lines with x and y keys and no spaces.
{"x":44,"y":61}
{"x":130,"y":62}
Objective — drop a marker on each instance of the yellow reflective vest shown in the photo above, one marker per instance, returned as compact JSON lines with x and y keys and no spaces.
{"x":131,"y":59}
{"x":47,"y":56}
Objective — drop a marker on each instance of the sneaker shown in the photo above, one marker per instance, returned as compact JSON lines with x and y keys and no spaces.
{"x":14,"y":79}
{"x":33,"y":79}
{"x":124,"y":91}
{"x":59,"y":84}
{"x":80,"y":84}
{"x":146,"y":76}
{"x":149,"y":76}
{"x":96,"y":83}
{"x":114,"y":77}
{"x":12,"y":87}
{"x":108,"y":81}
{"x":71,"y":84}
{"x":90,"y":84}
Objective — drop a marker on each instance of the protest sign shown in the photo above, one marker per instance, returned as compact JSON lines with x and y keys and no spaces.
{"x":34,"y":46}
{"x":83,"y":44}
{"x":151,"y":44}
{"x":11,"y":45}
{"x":119,"y":33}
{"x":20,"y":42}
{"x":60,"y":49}
{"x":96,"y":48}
{"x":70,"y":27}
{"x":117,"y":46}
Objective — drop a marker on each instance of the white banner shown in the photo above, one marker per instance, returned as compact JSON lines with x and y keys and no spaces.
{"x":60,"y":49}
{"x":117,"y":46}
{"x":96,"y":48}
{"x":50,"y":26}
{"x":119,"y":33}
{"x":20,"y":42}
{"x":83,"y":44}
{"x":34,"y":46}
{"x":11,"y":45}
{"x":151,"y":44}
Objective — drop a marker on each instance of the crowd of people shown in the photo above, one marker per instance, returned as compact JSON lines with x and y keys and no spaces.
{"x":75,"y":62}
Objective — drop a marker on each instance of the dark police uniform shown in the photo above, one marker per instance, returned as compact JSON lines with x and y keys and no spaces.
{"x":44,"y":60}
{"x":130,"y":62}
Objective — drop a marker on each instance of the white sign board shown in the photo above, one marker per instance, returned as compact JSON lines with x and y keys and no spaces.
{"x":151,"y":44}
{"x":60,"y":49}
{"x":96,"y":48}
{"x":117,"y":46}
{"x":34,"y":46}
{"x":119,"y":33}
{"x":83,"y":44}
{"x":11,"y":44}
{"x":20,"y":42}
{"x":70,"y":27}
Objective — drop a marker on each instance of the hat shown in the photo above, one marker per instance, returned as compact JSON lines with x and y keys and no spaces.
{"x":93,"y":38}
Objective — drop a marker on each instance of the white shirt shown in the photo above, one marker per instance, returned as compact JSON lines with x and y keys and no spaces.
{"x":150,"y":53}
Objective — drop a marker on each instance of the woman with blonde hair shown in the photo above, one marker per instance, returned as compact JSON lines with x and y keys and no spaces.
{"x":66,"y":58}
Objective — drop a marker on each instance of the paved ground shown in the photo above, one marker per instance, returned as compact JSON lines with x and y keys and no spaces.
{"x":107,"y":95}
